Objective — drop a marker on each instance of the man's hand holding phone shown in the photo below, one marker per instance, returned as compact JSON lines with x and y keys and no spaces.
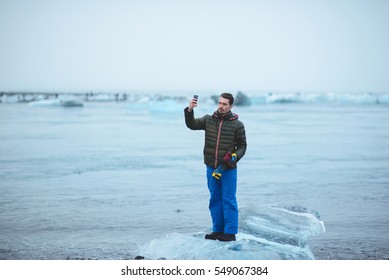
{"x":193,"y":103}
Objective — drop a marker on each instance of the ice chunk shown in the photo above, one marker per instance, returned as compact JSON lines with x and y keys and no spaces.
{"x":271,"y":232}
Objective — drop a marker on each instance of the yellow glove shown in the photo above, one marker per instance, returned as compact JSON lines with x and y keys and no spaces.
{"x":217,"y":173}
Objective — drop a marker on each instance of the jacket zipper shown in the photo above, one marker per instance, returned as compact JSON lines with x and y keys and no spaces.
{"x":217,"y":142}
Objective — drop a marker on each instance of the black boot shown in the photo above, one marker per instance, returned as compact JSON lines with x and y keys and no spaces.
{"x":213,"y":235}
{"x":226,"y":237}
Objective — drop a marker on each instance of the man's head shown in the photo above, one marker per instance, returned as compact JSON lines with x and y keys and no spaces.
{"x":226,"y":101}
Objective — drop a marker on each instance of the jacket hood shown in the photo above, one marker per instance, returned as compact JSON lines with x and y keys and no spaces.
{"x":228,"y":117}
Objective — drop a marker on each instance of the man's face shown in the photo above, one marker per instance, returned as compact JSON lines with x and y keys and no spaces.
{"x":224,"y":105}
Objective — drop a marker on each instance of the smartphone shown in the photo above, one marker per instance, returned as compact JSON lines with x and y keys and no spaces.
{"x":195,"y":96}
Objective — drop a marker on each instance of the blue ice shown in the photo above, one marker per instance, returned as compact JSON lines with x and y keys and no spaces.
{"x":266,"y":233}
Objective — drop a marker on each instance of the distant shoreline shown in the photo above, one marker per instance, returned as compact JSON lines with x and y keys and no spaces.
{"x":255,"y":98}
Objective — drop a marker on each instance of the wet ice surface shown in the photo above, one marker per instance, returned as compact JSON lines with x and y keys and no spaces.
{"x":104,"y":180}
{"x":274,"y":232}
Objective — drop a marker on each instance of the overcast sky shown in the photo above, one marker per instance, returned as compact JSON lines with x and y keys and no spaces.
{"x":118,"y":45}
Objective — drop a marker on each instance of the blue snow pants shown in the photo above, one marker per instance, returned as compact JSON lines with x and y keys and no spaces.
{"x":222,"y":203}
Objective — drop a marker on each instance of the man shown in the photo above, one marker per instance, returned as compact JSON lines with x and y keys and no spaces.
{"x":225,"y":144}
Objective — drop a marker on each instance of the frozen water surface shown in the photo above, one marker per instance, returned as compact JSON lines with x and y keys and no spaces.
{"x":113,"y":180}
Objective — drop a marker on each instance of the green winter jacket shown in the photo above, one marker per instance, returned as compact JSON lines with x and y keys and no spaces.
{"x":222,"y":135}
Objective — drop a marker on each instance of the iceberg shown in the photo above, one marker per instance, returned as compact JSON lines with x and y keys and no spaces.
{"x":274,"y":232}
{"x":45,"y":103}
{"x":64,"y":101}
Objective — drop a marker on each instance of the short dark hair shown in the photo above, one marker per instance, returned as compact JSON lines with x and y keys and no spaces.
{"x":228,"y":96}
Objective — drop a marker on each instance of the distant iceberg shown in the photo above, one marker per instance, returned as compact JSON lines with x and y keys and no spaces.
{"x":63,"y":101}
{"x":320,"y":98}
{"x":45,"y":103}
{"x":267,"y":233}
